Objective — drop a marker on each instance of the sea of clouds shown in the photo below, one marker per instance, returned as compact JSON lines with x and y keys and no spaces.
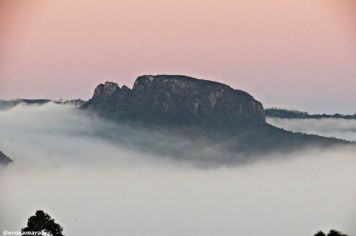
{"x":97,"y":178}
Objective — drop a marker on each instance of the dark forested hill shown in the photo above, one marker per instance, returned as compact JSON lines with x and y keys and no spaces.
{"x":292,"y":114}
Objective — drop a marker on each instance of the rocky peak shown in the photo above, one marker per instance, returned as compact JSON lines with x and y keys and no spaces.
{"x":176,"y":99}
{"x":106,"y":89}
{"x":143,"y":80}
{"x":175,"y":83}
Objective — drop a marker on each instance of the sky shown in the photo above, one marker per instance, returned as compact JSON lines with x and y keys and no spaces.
{"x":291,"y":54}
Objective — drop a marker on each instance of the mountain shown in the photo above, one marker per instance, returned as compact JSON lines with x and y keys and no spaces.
{"x":292,"y":114}
{"x":175,"y":100}
{"x":4,"y":160}
{"x":203,"y":113}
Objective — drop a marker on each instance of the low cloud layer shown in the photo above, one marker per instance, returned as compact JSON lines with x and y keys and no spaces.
{"x":72,"y":166}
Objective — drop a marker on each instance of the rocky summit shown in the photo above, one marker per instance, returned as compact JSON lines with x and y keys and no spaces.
{"x":176,"y":100}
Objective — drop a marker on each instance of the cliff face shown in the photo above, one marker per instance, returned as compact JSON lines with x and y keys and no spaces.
{"x":4,"y":160}
{"x":176,"y":100}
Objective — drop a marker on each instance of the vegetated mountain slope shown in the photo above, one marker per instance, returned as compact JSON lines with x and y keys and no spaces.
{"x":206,"y":114}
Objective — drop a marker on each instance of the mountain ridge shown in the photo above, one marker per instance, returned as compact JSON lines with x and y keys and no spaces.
{"x":294,"y":114}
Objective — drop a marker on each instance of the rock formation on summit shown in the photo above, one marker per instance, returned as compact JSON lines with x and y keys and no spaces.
{"x":179,"y":100}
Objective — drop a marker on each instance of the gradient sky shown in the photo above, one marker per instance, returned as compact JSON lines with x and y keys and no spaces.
{"x":298,"y":54}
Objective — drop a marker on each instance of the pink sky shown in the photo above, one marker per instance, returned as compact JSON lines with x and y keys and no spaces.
{"x":298,"y":54}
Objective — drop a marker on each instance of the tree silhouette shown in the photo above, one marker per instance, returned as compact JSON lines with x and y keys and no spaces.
{"x":335,"y":233}
{"x":320,"y":233}
{"x":331,"y":233}
{"x":42,"y":222}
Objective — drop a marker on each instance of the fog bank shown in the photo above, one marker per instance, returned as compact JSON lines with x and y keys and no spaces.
{"x":67,"y":164}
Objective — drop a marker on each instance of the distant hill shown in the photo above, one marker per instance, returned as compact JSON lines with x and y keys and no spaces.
{"x":7,"y":104}
{"x":4,"y":160}
{"x":292,"y":114}
{"x":230,"y":120}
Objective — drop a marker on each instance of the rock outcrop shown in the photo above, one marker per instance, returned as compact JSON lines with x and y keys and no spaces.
{"x":178,"y":100}
{"x":4,"y":160}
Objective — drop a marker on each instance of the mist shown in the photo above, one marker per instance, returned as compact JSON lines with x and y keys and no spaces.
{"x":97,"y":178}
